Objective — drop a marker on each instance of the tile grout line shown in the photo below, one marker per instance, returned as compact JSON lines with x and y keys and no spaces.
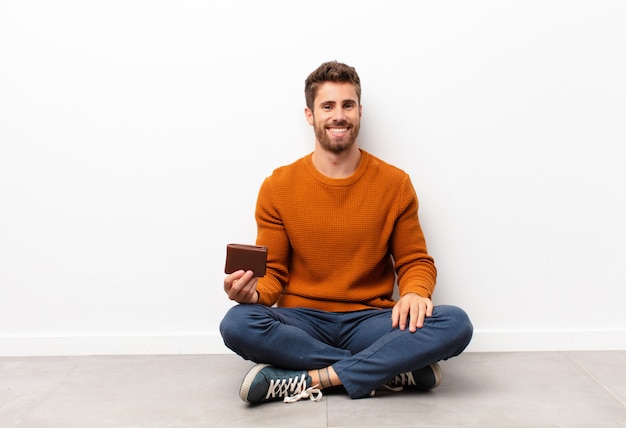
{"x":609,"y":390}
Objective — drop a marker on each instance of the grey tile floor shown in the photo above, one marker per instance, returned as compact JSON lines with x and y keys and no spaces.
{"x":526,"y":389}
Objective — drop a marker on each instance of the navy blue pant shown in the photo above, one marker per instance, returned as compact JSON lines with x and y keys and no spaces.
{"x":361,"y":346}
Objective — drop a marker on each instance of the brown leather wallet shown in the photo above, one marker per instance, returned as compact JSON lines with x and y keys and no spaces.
{"x":246,"y":257}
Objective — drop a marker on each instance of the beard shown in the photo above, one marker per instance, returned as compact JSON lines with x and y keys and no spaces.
{"x":333,"y":144}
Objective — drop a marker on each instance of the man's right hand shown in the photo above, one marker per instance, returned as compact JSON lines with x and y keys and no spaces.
{"x":241,"y":287}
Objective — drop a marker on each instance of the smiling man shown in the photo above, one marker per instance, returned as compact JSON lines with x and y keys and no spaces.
{"x":337,"y":118}
{"x":342,"y":229}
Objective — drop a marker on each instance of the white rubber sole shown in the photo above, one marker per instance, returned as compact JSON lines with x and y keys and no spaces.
{"x":247,"y":381}
{"x":438,"y":374}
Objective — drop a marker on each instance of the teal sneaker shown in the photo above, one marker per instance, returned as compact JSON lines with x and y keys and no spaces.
{"x":423,"y":379}
{"x":265,"y":383}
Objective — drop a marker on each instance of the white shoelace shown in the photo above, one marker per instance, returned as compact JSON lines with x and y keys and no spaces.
{"x":405,"y":379}
{"x":312,"y":393}
{"x":400,"y":380}
{"x":293,"y":389}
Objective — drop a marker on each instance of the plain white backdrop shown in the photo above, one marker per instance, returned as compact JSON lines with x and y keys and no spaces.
{"x":134,"y":136}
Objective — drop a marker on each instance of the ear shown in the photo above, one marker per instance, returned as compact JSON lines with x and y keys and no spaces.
{"x":309,"y":115}
{"x":360,"y":111}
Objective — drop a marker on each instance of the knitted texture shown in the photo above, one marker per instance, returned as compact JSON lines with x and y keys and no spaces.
{"x":332,"y":243}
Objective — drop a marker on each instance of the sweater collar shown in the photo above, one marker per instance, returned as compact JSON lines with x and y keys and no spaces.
{"x":339,"y":182}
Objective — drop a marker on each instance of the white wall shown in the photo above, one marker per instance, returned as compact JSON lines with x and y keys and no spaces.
{"x":134,"y":136}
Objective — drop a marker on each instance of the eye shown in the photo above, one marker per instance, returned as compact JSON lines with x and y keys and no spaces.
{"x":327,"y":107}
{"x":348,"y":106}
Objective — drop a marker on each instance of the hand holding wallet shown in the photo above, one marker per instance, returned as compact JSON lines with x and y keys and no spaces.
{"x":246,"y":257}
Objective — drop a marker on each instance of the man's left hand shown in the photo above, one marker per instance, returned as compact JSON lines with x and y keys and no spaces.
{"x":412,"y":308}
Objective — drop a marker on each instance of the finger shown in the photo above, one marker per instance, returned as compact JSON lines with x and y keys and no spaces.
{"x":414,"y":321}
{"x":245,"y":283}
{"x":238,"y":281}
{"x":231,"y":279}
{"x":251,"y":288}
{"x":247,"y":276}
{"x":395,"y":317}
{"x":244,"y":289}
{"x":404,"y":315}
{"x":429,"y":308}
{"x":420,"y":316}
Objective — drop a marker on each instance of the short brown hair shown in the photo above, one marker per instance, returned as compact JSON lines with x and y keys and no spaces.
{"x":331,"y":71}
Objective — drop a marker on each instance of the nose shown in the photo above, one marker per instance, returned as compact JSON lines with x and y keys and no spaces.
{"x":339,"y":114}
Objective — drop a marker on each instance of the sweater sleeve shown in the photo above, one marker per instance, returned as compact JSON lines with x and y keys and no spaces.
{"x":271,"y":233}
{"x":415,"y":267}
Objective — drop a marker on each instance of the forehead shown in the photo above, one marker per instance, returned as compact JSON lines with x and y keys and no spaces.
{"x":335,"y":92}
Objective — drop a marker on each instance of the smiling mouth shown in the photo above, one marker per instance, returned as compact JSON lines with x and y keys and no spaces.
{"x":338,"y":130}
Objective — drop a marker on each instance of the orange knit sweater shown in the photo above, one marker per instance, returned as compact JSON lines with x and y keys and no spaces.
{"x":332,"y":243}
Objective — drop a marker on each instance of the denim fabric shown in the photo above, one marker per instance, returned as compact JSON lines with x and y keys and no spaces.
{"x":361,"y":346}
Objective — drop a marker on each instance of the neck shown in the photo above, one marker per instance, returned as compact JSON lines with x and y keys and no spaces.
{"x":337,"y":165}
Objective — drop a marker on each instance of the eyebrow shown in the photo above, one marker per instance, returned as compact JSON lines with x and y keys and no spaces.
{"x":348,"y":100}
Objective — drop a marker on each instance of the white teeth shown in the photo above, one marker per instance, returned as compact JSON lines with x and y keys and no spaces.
{"x":337,"y":130}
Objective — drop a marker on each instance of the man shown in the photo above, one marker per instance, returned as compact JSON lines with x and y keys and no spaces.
{"x":341,"y":226}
